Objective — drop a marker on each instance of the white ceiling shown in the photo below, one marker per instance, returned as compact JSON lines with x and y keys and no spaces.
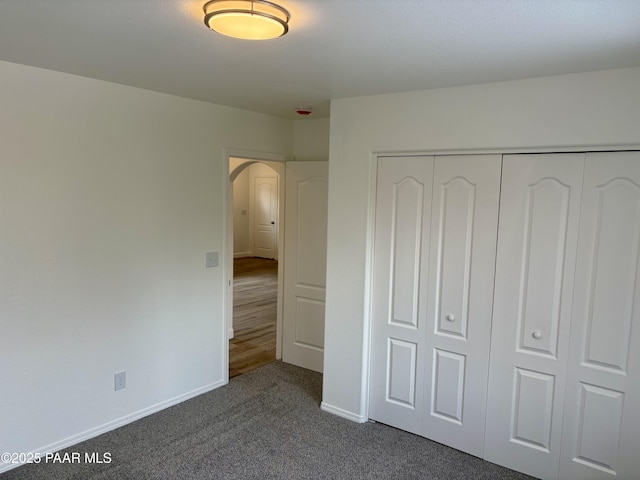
{"x":334,"y":49}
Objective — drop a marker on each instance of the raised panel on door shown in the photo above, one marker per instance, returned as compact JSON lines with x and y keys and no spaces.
{"x":464,"y":221}
{"x":601,"y":437}
{"x":401,"y":247}
{"x":537,"y":237}
{"x":305,"y":253}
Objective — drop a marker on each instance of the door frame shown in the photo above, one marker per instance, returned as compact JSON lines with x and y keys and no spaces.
{"x":277,"y":162}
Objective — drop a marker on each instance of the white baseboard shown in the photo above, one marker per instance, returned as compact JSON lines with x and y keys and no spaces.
{"x":243,"y":254}
{"x":354,"y":417}
{"x":230,"y":334}
{"x":119,"y":422}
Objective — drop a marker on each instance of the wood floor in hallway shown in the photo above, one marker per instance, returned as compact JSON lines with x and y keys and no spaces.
{"x":255,"y":288}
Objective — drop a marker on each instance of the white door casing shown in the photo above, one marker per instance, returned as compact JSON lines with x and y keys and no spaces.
{"x":538,"y":229}
{"x":265,"y":215}
{"x":305,"y":251}
{"x":435,"y":235}
{"x":601,"y":435}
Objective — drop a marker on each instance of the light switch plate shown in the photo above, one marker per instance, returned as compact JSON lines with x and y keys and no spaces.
{"x":212,"y":259}
{"x":119,"y":380}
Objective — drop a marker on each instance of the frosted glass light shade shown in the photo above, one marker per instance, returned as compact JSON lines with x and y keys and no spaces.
{"x":247,"y":19}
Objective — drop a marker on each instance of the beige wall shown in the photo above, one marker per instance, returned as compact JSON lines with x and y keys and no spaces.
{"x":110,"y":196}
{"x":241,"y":237}
{"x":583,"y":110}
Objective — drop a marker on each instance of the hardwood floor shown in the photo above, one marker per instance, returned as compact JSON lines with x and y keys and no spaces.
{"x":255,"y":288}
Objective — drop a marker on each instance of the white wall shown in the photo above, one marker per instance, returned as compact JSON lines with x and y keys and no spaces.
{"x":591,"y":109}
{"x":109,"y":198}
{"x":311,"y":139}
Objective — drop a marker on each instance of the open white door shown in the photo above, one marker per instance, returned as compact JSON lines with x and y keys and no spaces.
{"x":305,"y":254}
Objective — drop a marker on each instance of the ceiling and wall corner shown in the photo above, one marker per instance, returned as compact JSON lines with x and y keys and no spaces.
{"x":334,"y":49}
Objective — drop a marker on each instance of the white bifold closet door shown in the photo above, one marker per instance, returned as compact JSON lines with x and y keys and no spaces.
{"x":564,"y":377}
{"x":401,"y":255}
{"x":434,"y":257}
{"x":601,"y":435}
{"x":538,"y":371}
{"x":539,"y":220}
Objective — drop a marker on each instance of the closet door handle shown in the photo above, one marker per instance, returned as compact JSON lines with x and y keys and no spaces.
{"x":450,"y":318}
{"x":537,"y":334}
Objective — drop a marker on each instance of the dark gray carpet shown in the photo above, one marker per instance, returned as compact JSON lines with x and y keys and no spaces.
{"x":265,"y":424}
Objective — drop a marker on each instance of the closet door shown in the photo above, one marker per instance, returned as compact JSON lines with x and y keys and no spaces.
{"x":601,"y":437}
{"x":401,"y":251}
{"x":464,"y":220}
{"x":537,"y":237}
{"x":435,"y":242}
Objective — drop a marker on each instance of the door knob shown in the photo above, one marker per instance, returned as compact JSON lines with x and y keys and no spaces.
{"x":537,"y":334}
{"x":273,"y":223}
{"x":450,"y":318}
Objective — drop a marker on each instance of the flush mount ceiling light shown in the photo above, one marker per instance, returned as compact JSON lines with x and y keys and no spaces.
{"x":247,"y":19}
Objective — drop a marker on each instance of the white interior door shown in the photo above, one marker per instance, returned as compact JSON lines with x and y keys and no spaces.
{"x":305,"y":253}
{"x":435,"y":238}
{"x":538,"y":229}
{"x":601,"y":437}
{"x":265,"y":208}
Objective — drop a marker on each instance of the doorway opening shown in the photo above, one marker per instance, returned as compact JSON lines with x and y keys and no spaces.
{"x":255,"y":281}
